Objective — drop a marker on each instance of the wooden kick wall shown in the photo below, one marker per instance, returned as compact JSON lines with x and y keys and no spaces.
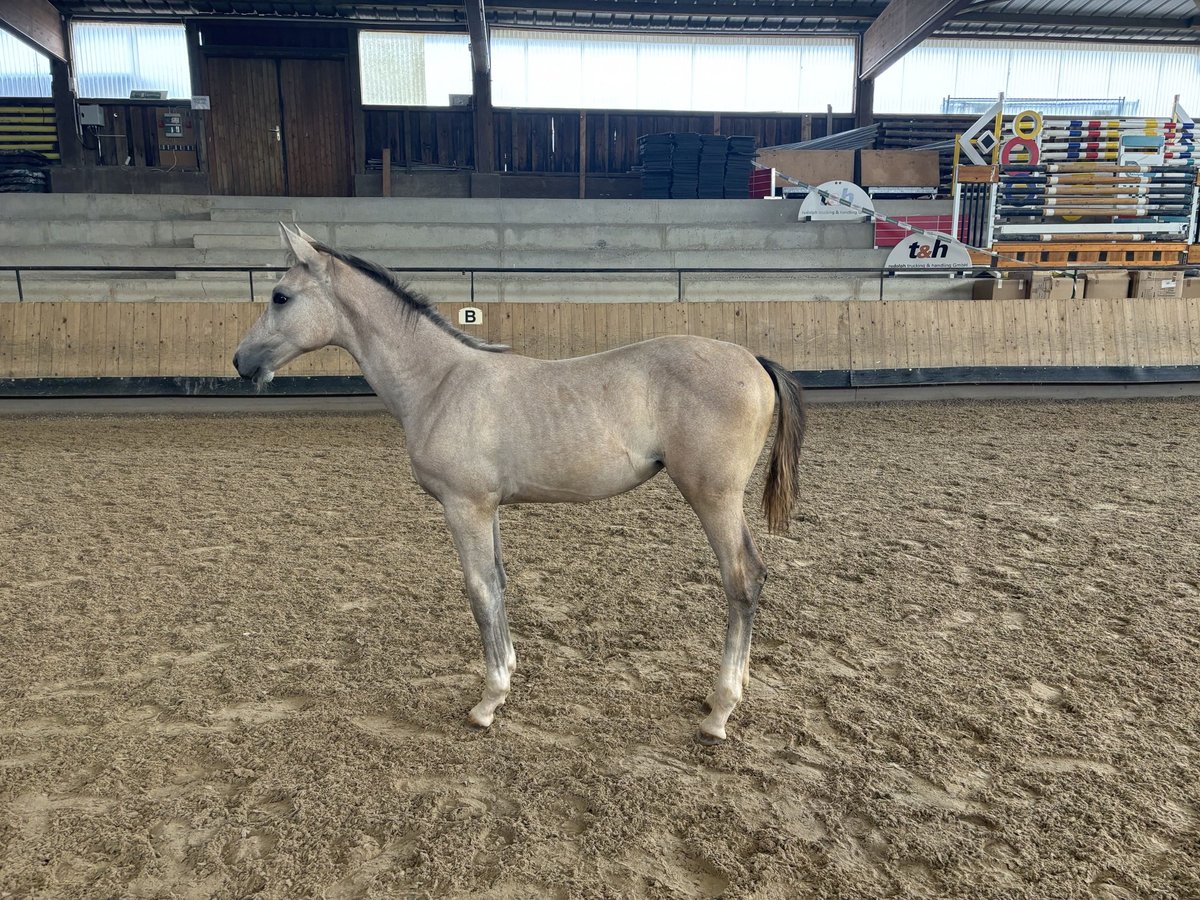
{"x":161,"y":339}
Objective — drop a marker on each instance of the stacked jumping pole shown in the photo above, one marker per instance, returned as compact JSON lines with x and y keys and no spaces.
{"x":1093,"y":198}
{"x":1099,"y":140}
{"x":1117,"y":191}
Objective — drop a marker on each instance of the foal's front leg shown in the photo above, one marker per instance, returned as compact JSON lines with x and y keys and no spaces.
{"x":499,"y":553}
{"x":470,"y":524}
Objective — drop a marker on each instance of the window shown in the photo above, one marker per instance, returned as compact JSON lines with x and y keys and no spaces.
{"x":404,"y":69}
{"x":113,"y":58}
{"x":623,"y":71}
{"x":613,"y":71}
{"x":23,"y":71}
{"x":955,"y":76}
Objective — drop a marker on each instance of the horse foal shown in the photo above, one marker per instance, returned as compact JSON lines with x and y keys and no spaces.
{"x":486,"y":427}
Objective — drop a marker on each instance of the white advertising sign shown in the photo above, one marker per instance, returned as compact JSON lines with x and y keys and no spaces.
{"x":829,"y":202}
{"x":927,"y":251}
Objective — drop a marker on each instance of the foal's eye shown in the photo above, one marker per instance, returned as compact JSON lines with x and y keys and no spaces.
{"x":279,"y":298}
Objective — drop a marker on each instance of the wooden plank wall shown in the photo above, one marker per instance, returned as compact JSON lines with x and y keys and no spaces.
{"x":547,"y":140}
{"x":127,"y":339}
{"x":420,"y":136}
{"x":130,"y":132}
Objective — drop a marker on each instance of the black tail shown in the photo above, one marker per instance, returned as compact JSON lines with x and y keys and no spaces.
{"x":783,"y":472}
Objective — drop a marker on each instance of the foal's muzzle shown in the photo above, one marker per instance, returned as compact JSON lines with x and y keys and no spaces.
{"x":246,"y":373}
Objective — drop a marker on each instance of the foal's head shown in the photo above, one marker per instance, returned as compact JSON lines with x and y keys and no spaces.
{"x":303,"y":314}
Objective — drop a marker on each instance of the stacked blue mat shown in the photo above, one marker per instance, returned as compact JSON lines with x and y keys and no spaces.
{"x":714,"y":150}
{"x":696,"y":166}
{"x":738,"y":164}
{"x":656,"y":151}
{"x":685,"y":166}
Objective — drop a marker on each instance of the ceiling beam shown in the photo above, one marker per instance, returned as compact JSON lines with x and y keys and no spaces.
{"x":900,"y":27}
{"x":1084,"y":21}
{"x":481,"y":57}
{"x":697,"y":8}
{"x":863,"y":10}
{"x":37,"y":23}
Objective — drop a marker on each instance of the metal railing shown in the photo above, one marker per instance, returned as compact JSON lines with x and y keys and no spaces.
{"x":472,"y":271}
{"x":680,"y":272}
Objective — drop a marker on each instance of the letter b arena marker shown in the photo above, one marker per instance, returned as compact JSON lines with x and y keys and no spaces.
{"x":470,"y":315}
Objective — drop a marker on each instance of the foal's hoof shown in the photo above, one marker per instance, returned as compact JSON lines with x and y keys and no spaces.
{"x":481,"y":719}
{"x":711,"y":732}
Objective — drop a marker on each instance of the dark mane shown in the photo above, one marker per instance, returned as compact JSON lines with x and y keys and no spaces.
{"x":413,"y":302}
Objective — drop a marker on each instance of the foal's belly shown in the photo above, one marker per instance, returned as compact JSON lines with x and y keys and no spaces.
{"x":579,"y":481}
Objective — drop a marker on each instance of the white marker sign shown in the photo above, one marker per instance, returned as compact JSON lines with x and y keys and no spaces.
{"x":470,"y":315}
{"x":928,"y":251}
{"x":836,"y":200}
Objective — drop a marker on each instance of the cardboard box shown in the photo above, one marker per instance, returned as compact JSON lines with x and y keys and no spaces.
{"x":1109,"y":284}
{"x":1000,"y":289}
{"x":1157,"y":285}
{"x":1191,"y":288}
{"x":1051,"y":286}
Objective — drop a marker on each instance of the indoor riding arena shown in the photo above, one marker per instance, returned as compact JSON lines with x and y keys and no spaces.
{"x":318,"y":324}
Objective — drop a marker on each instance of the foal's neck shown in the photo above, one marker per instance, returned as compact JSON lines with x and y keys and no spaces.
{"x":402,"y":353}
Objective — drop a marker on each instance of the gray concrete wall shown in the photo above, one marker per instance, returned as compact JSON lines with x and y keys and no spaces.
{"x":447,"y":233}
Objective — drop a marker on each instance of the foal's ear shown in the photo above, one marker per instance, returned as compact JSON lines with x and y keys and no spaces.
{"x":304,"y":251}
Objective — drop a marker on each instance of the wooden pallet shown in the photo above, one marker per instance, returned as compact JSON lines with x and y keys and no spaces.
{"x":1141,"y":255}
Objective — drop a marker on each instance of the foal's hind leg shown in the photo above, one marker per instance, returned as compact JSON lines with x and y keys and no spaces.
{"x":471,"y":524}
{"x":743,"y":575}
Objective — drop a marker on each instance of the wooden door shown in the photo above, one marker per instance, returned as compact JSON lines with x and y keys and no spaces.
{"x":316,"y":127}
{"x":245,"y":137}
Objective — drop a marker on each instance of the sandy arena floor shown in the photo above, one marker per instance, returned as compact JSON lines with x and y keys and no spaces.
{"x":236,"y":658}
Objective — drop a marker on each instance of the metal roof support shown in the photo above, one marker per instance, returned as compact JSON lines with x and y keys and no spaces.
{"x":1081,"y":20}
{"x":37,"y":23}
{"x":481,"y":80}
{"x":899,"y":28}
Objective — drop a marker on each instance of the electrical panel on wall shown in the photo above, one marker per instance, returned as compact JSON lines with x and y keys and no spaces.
{"x":91,"y":114}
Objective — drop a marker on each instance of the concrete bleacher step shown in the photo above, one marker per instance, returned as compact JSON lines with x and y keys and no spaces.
{"x":416,"y":211}
{"x":365,"y":239}
{"x":20,"y":233}
{"x":127,"y":290}
{"x":82,"y":207}
{"x":132,"y":257}
{"x":252,"y":216}
{"x":200,"y":274}
{"x":361,"y":238}
{"x":235,"y":241}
